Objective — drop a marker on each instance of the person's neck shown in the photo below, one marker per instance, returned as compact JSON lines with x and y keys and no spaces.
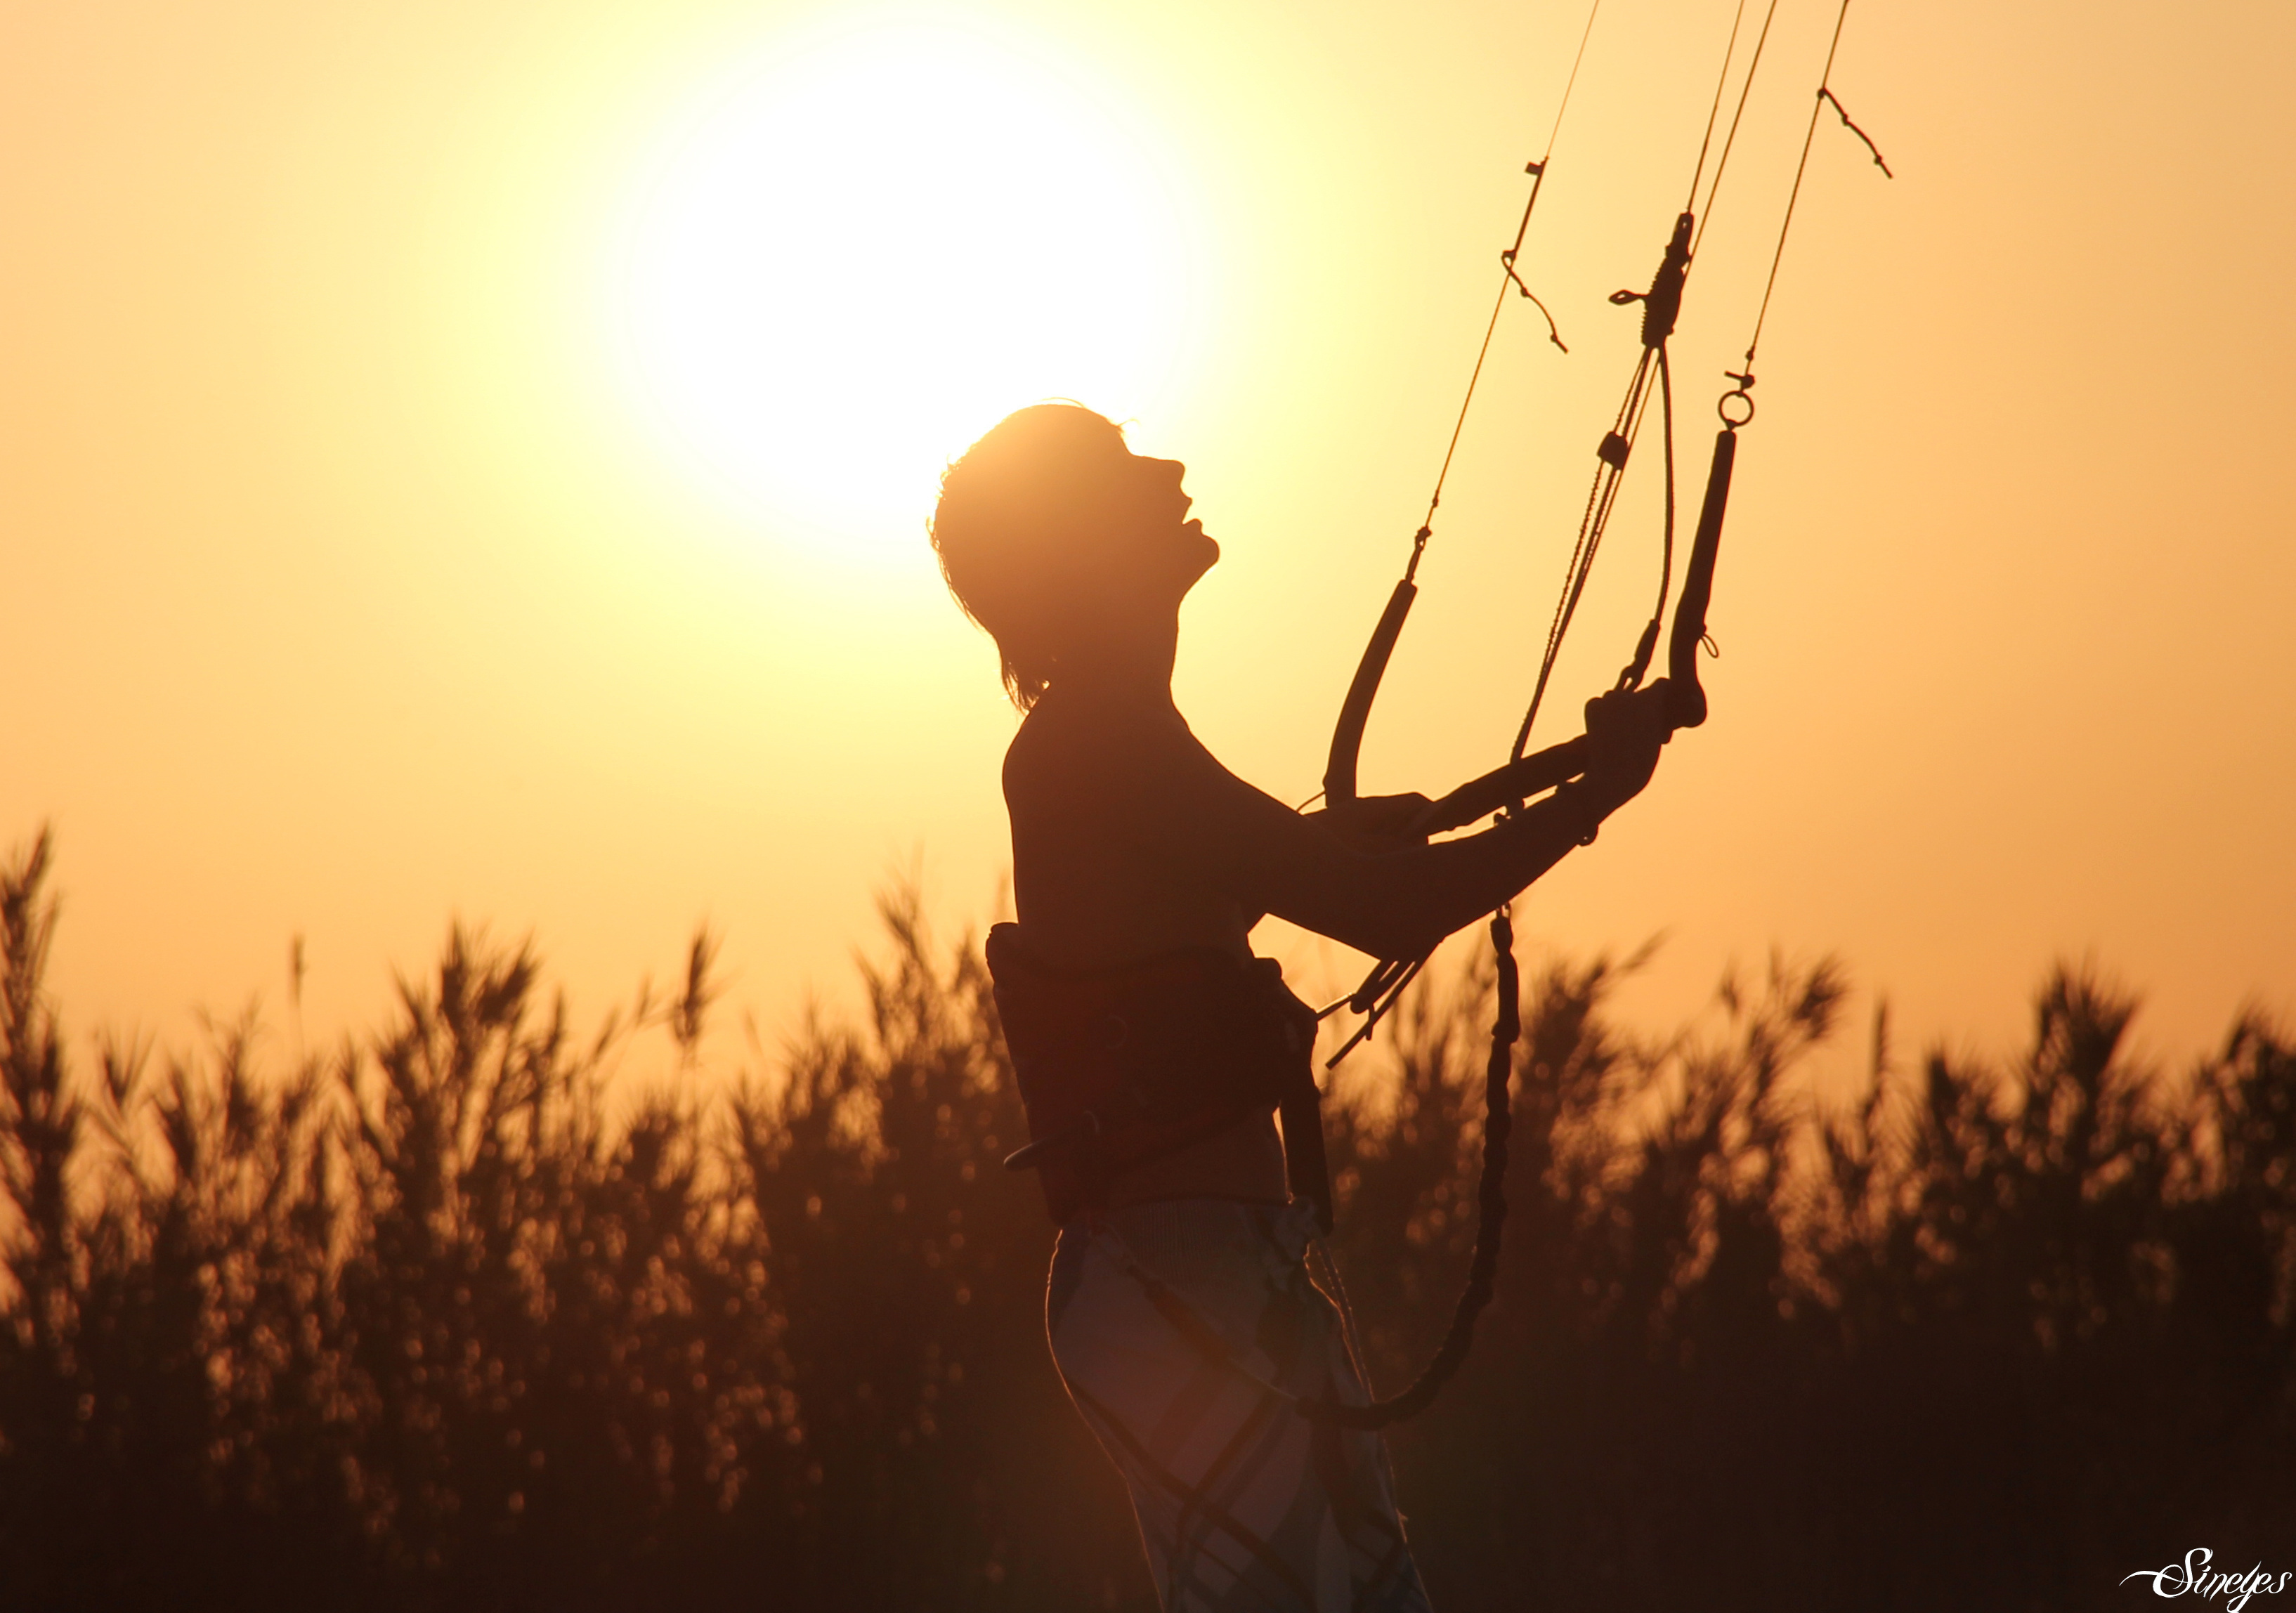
{"x":1129,"y":666}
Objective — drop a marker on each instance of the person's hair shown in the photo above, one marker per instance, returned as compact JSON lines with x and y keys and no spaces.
{"x":1014,"y":515}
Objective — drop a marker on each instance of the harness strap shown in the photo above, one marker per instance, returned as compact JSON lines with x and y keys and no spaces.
{"x":1306,"y":1167}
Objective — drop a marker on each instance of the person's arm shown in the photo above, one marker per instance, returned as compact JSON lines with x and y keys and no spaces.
{"x":1184,"y":808}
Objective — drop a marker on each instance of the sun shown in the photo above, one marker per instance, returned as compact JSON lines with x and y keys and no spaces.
{"x":877,"y":245}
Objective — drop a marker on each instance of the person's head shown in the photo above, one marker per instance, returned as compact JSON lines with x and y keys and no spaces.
{"x":1061,"y":541}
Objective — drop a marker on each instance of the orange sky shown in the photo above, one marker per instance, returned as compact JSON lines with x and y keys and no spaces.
{"x":351,"y":584}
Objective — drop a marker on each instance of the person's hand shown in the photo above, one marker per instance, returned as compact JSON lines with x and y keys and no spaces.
{"x":1375,"y":824}
{"x":1624,"y":730}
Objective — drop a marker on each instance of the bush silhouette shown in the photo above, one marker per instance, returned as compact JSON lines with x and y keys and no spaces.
{"x":444,"y":1319}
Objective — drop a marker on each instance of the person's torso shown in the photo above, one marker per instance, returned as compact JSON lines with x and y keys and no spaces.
{"x":1085,"y":889}
{"x":1088,"y":896}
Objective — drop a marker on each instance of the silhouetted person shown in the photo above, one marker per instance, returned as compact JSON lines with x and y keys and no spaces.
{"x":1152,"y":1049}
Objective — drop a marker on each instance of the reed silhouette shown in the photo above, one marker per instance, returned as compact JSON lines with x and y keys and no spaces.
{"x":427,"y":1322}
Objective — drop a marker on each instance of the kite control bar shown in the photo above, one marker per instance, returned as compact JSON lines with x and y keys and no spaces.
{"x":1686,"y":700}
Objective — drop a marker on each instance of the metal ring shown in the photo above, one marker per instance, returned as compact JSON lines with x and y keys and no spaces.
{"x":1723,"y":407}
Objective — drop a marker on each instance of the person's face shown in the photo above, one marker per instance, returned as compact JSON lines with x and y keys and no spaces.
{"x":1157,"y":547}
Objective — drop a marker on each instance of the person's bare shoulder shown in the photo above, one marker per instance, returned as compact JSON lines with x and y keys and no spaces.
{"x":1102,"y":752}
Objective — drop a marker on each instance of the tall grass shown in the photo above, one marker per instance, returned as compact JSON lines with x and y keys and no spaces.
{"x":428,"y":1323}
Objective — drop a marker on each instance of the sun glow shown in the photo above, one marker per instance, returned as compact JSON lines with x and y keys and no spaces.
{"x":870,"y":248}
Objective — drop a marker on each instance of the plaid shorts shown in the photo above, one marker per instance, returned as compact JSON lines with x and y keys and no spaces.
{"x":1245,"y":1506}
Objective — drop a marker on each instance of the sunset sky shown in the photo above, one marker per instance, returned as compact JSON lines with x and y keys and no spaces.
{"x":472,"y":459}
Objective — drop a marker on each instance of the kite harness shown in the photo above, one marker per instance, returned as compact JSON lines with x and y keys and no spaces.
{"x":1122,"y":1066}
